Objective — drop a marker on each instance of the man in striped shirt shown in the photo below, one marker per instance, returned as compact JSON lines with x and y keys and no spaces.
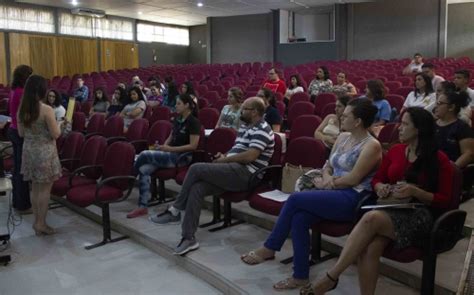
{"x":252,"y":150}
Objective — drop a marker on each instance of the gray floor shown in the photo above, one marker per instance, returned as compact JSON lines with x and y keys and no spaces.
{"x":59,"y":264}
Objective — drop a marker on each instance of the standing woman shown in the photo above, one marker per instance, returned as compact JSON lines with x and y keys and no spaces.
{"x":21,"y":193}
{"x":40,"y":162}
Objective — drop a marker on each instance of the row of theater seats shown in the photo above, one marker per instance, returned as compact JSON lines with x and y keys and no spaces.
{"x":92,"y":176}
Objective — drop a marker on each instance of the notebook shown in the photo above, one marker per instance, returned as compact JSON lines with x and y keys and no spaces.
{"x":275,"y":195}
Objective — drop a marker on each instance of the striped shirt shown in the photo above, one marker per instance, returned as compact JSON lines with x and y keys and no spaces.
{"x":259,"y":137}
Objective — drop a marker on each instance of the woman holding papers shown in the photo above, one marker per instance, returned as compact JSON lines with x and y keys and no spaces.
{"x":415,"y":170}
{"x":40,"y":162}
{"x":354,"y":159}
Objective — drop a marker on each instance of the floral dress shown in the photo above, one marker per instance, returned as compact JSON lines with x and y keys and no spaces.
{"x":319,"y":86}
{"x":40,"y":161}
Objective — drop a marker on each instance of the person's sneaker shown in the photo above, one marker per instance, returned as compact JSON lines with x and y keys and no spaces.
{"x":186,"y":246}
{"x":166,"y":218}
{"x":137,"y":212}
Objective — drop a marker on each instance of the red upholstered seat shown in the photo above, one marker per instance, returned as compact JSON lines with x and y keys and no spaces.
{"x":61,"y":186}
{"x":405,"y":255}
{"x":85,"y":195}
{"x":322,"y":100}
{"x":304,"y":125}
{"x":298,"y":109}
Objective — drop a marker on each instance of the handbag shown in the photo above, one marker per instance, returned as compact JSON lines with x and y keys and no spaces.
{"x":305,"y":181}
{"x":290,"y":175}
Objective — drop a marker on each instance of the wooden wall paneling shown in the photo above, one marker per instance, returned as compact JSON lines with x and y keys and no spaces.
{"x":3,"y":60}
{"x":19,"y":50}
{"x":76,"y":56}
{"x":116,"y":55}
{"x":42,"y":51}
{"x":107,"y":55}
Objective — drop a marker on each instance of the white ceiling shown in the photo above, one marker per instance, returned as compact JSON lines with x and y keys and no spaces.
{"x":186,"y":12}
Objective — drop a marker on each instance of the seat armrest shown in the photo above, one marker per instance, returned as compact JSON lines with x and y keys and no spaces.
{"x":447,"y":231}
{"x":80,"y":170}
{"x":103,"y":182}
{"x":258,"y":175}
{"x":90,"y":134}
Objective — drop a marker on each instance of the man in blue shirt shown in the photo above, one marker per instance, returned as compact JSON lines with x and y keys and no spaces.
{"x":82,"y":91}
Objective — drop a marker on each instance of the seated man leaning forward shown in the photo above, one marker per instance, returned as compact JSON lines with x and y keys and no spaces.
{"x":252,"y":150}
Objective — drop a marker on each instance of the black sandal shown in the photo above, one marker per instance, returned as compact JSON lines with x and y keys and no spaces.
{"x":335,"y":281}
{"x":308,"y":289}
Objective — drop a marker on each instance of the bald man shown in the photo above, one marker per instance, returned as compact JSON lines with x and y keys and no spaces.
{"x":252,"y":150}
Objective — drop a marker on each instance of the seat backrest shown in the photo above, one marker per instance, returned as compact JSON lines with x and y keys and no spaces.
{"x":328,"y":109}
{"x":137,"y":130}
{"x":86,"y":107}
{"x":404,"y":91}
{"x":457,"y":187}
{"x":396,"y":101}
{"x":112,"y":167}
{"x":93,"y":152}
{"x":322,"y":100}
{"x":96,"y":123}
{"x":219,"y":105}
{"x":386,"y":135}
{"x":159,"y":113}
{"x":220,"y":140}
{"x":208,"y":117}
{"x":159,"y":131}
{"x":299,"y":96}
{"x":299,"y":109}
{"x":307,"y":152}
{"x":78,"y":121}
{"x":113,"y":127}
{"x":304,"y":125}
{"x":71,"y":149}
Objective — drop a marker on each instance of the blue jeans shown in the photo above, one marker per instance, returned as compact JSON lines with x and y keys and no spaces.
{"x":300,"y":212}
{"x":21,"y":189}
{"x":150,"y":161}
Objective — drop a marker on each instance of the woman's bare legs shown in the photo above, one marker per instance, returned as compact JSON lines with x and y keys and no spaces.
{"x":373,"y":224}
{"x":368,"y":265}
{"x":41,"y":193}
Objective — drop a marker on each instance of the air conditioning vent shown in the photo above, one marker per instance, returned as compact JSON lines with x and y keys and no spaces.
{"x":88,"y":12}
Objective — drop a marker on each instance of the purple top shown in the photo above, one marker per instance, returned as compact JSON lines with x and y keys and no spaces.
{"x":14,"y":105}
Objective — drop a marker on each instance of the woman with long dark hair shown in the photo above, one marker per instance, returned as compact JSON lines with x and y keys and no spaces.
{"x":40,"y":162}
{"x":344,"y":180}
{"x":135,"y":108}
{"x":170,"y":96}
{"x":272,"y":115}
{"x":21,"y":193}
{"x":101,"y":102}
{"x":53,"y":99}
{"x":294,"y":87}
{"x":414,"y":170}
{"x":176,"y":151}
{"x":330,"y":127}
{"x":423,"y":95}
{"x":321,"y":83}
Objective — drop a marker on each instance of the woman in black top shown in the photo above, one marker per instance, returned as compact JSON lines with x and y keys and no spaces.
{"x":176,"y":150}
{"x":272,"y":116}
{"x":453,"y":135}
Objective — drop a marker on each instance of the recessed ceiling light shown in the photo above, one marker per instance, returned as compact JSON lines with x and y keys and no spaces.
{"x":200,"y":4}
{"x":140,"y":12}
{"x":74,"y":2}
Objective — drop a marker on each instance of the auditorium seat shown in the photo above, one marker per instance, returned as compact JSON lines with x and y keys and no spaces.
{"x":115,"y":185}
{"x":299,"y":109}
{"x":304,"y":125}
{"x":70,"y":150}
{"x":87,"y":170}
{"x":446,"y":232}
{"x":96,"y":123}
{"x":322,"y":100}
{"x":208,"y":117}
{"x":159,"y":113}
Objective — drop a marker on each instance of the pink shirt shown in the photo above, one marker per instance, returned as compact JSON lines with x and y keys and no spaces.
{"x":14,"y":105}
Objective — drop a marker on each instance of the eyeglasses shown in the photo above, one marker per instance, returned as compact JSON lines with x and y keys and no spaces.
{"x":441,"y":103}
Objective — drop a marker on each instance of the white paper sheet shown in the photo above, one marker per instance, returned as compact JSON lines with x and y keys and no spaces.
{"x":208,"y":132}
{"x":275,"y":195}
